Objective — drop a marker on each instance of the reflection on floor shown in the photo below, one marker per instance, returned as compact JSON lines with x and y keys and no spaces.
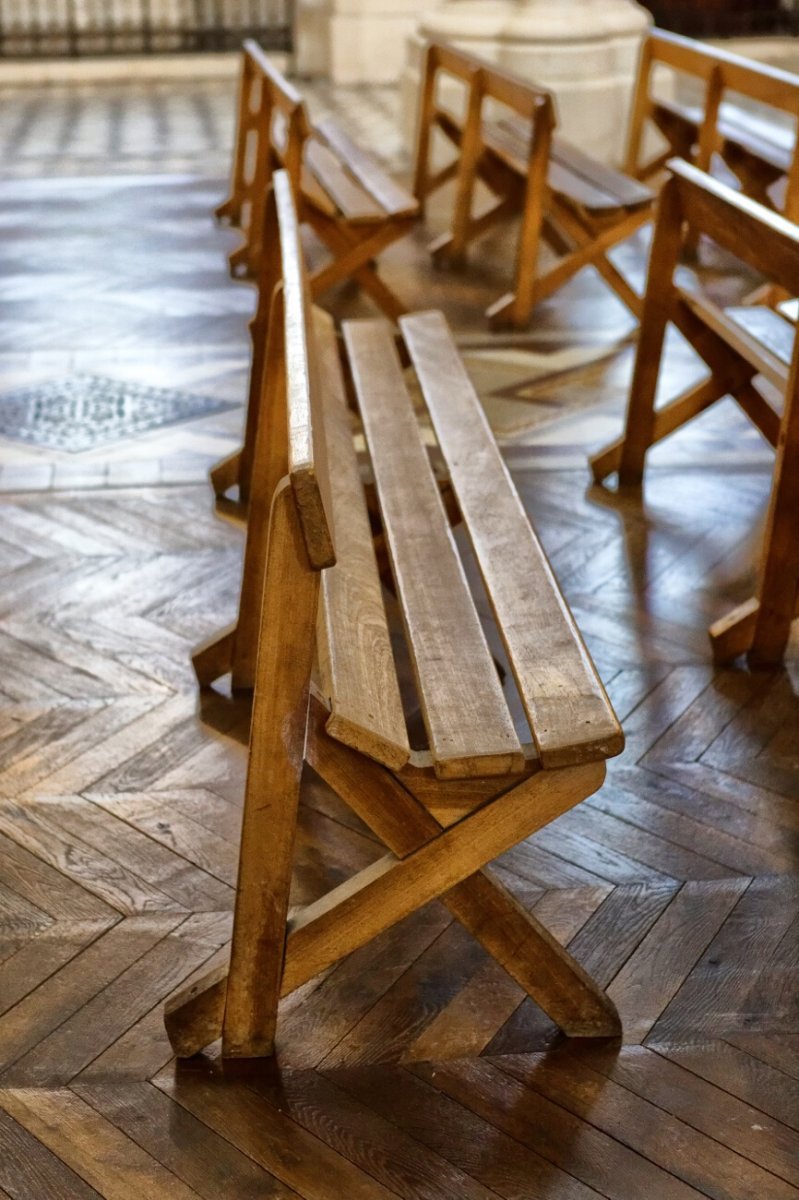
{"x":415,"y":1068}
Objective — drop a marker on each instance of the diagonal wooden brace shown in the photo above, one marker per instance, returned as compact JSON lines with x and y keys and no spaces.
{"x":353,"y":254}
{"x":491,"y":914}
{"x":446,"y":863}
{"x":730,"y":374}
{"x":590,"y":251}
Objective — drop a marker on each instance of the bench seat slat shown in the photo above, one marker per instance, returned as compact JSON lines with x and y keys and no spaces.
{"x":393,"y":199}
{"x":569,"y":713}
{"x":571,"y":173}
{"x":775,"y":332}
{"x":759,"y":334}
{"x":353,"y":202}
{"x":627,"y":192}
{"x":356,"y":665}
{"x":469,"y":727}
{"x":761,"y":138}
{"x":510,"y":141}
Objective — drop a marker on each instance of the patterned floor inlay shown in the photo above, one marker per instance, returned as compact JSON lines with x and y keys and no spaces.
{"x":85,"y":411}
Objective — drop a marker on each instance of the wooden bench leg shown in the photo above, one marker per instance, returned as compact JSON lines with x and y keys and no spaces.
{"x":443,"y":250}
{"x":626,"y":293}
{"x":732,"y":635}
{"x":353,"y":258}
{"x":225,"y":474}
{"x":228,"y":213}
{"x":515,"y":307}
{"x":468,"y":159}
{"x":524,"y":948}
{"x":214,"y":657}
{"x":779,"y":573}
{"x":667,"y":420}
{"x":643,"y":424}
{"x":533,"y":957}
{"x":378,"y":897}
{"x":240,"y":263}
{"x":591,"y":248}
{"x":277,"y":740}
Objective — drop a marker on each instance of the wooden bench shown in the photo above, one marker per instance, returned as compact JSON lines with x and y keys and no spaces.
{"x":471,"y":788}
{"x":577,"y":207}
{"x":354,"y":207}
{"x":741,"y":345}
{"x":759,"y":152}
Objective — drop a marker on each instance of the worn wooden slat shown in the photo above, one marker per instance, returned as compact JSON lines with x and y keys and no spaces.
{"x":570,"y":173}
{"x":758,"y":334}
{"x":353,"y":202}
{"x":306,"y":451}
{"x":391,"y":196}
{"x":570,"y":715}
{"x":467,"y":719}
{"x":357,"y":674}
{"x":627,"y":193}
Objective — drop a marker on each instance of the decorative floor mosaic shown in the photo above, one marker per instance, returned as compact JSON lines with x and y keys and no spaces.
{"x":84,"y":411}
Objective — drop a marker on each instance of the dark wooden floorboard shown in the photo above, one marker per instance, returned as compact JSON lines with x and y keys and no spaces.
{"x":415,"y":1068}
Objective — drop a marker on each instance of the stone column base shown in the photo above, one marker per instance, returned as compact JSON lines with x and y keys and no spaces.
{"x":354,"y":41}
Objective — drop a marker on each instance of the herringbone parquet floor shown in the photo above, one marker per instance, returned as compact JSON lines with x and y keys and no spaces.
{"x":415,"y":1068}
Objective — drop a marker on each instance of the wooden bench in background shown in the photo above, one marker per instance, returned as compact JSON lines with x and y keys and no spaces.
{"x":352,"y":204}
{"x":741,"y":345}
{"x":505,"y":138}
{"x":758,"y":151}
{"x":475,"y":788}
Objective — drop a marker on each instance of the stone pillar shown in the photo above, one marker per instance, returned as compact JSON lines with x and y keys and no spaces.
{"x":585,"y":51}
{"x":355,"y":41}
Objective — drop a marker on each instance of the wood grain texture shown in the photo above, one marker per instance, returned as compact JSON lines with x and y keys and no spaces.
{"x":570,"y":715}
{"x":358,"y":677}
{"x":110,"y":578}
{"x":467,"y":720}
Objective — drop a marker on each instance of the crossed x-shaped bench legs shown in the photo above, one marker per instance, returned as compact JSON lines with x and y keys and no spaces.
{"x":426,"y":861}
{"x":353,"y":247}
{"x":579,"y":238}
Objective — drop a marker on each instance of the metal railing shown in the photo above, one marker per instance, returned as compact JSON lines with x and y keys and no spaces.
{"x":727,"y":18}
{"x":80,"y":28}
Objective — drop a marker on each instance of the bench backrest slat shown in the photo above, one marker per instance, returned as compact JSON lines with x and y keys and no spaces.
{"x":355,"y":660}
{"x":523,"y":96}
{"x":306,"y":453}
{"x":724,"y":75}
{"x":483,"y":83}
{"x":766,"y":241}
{"x":469,"y":727}
{"x":760,"y":81}
{"x":569,"y":713}
{"x":390,"y":195}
